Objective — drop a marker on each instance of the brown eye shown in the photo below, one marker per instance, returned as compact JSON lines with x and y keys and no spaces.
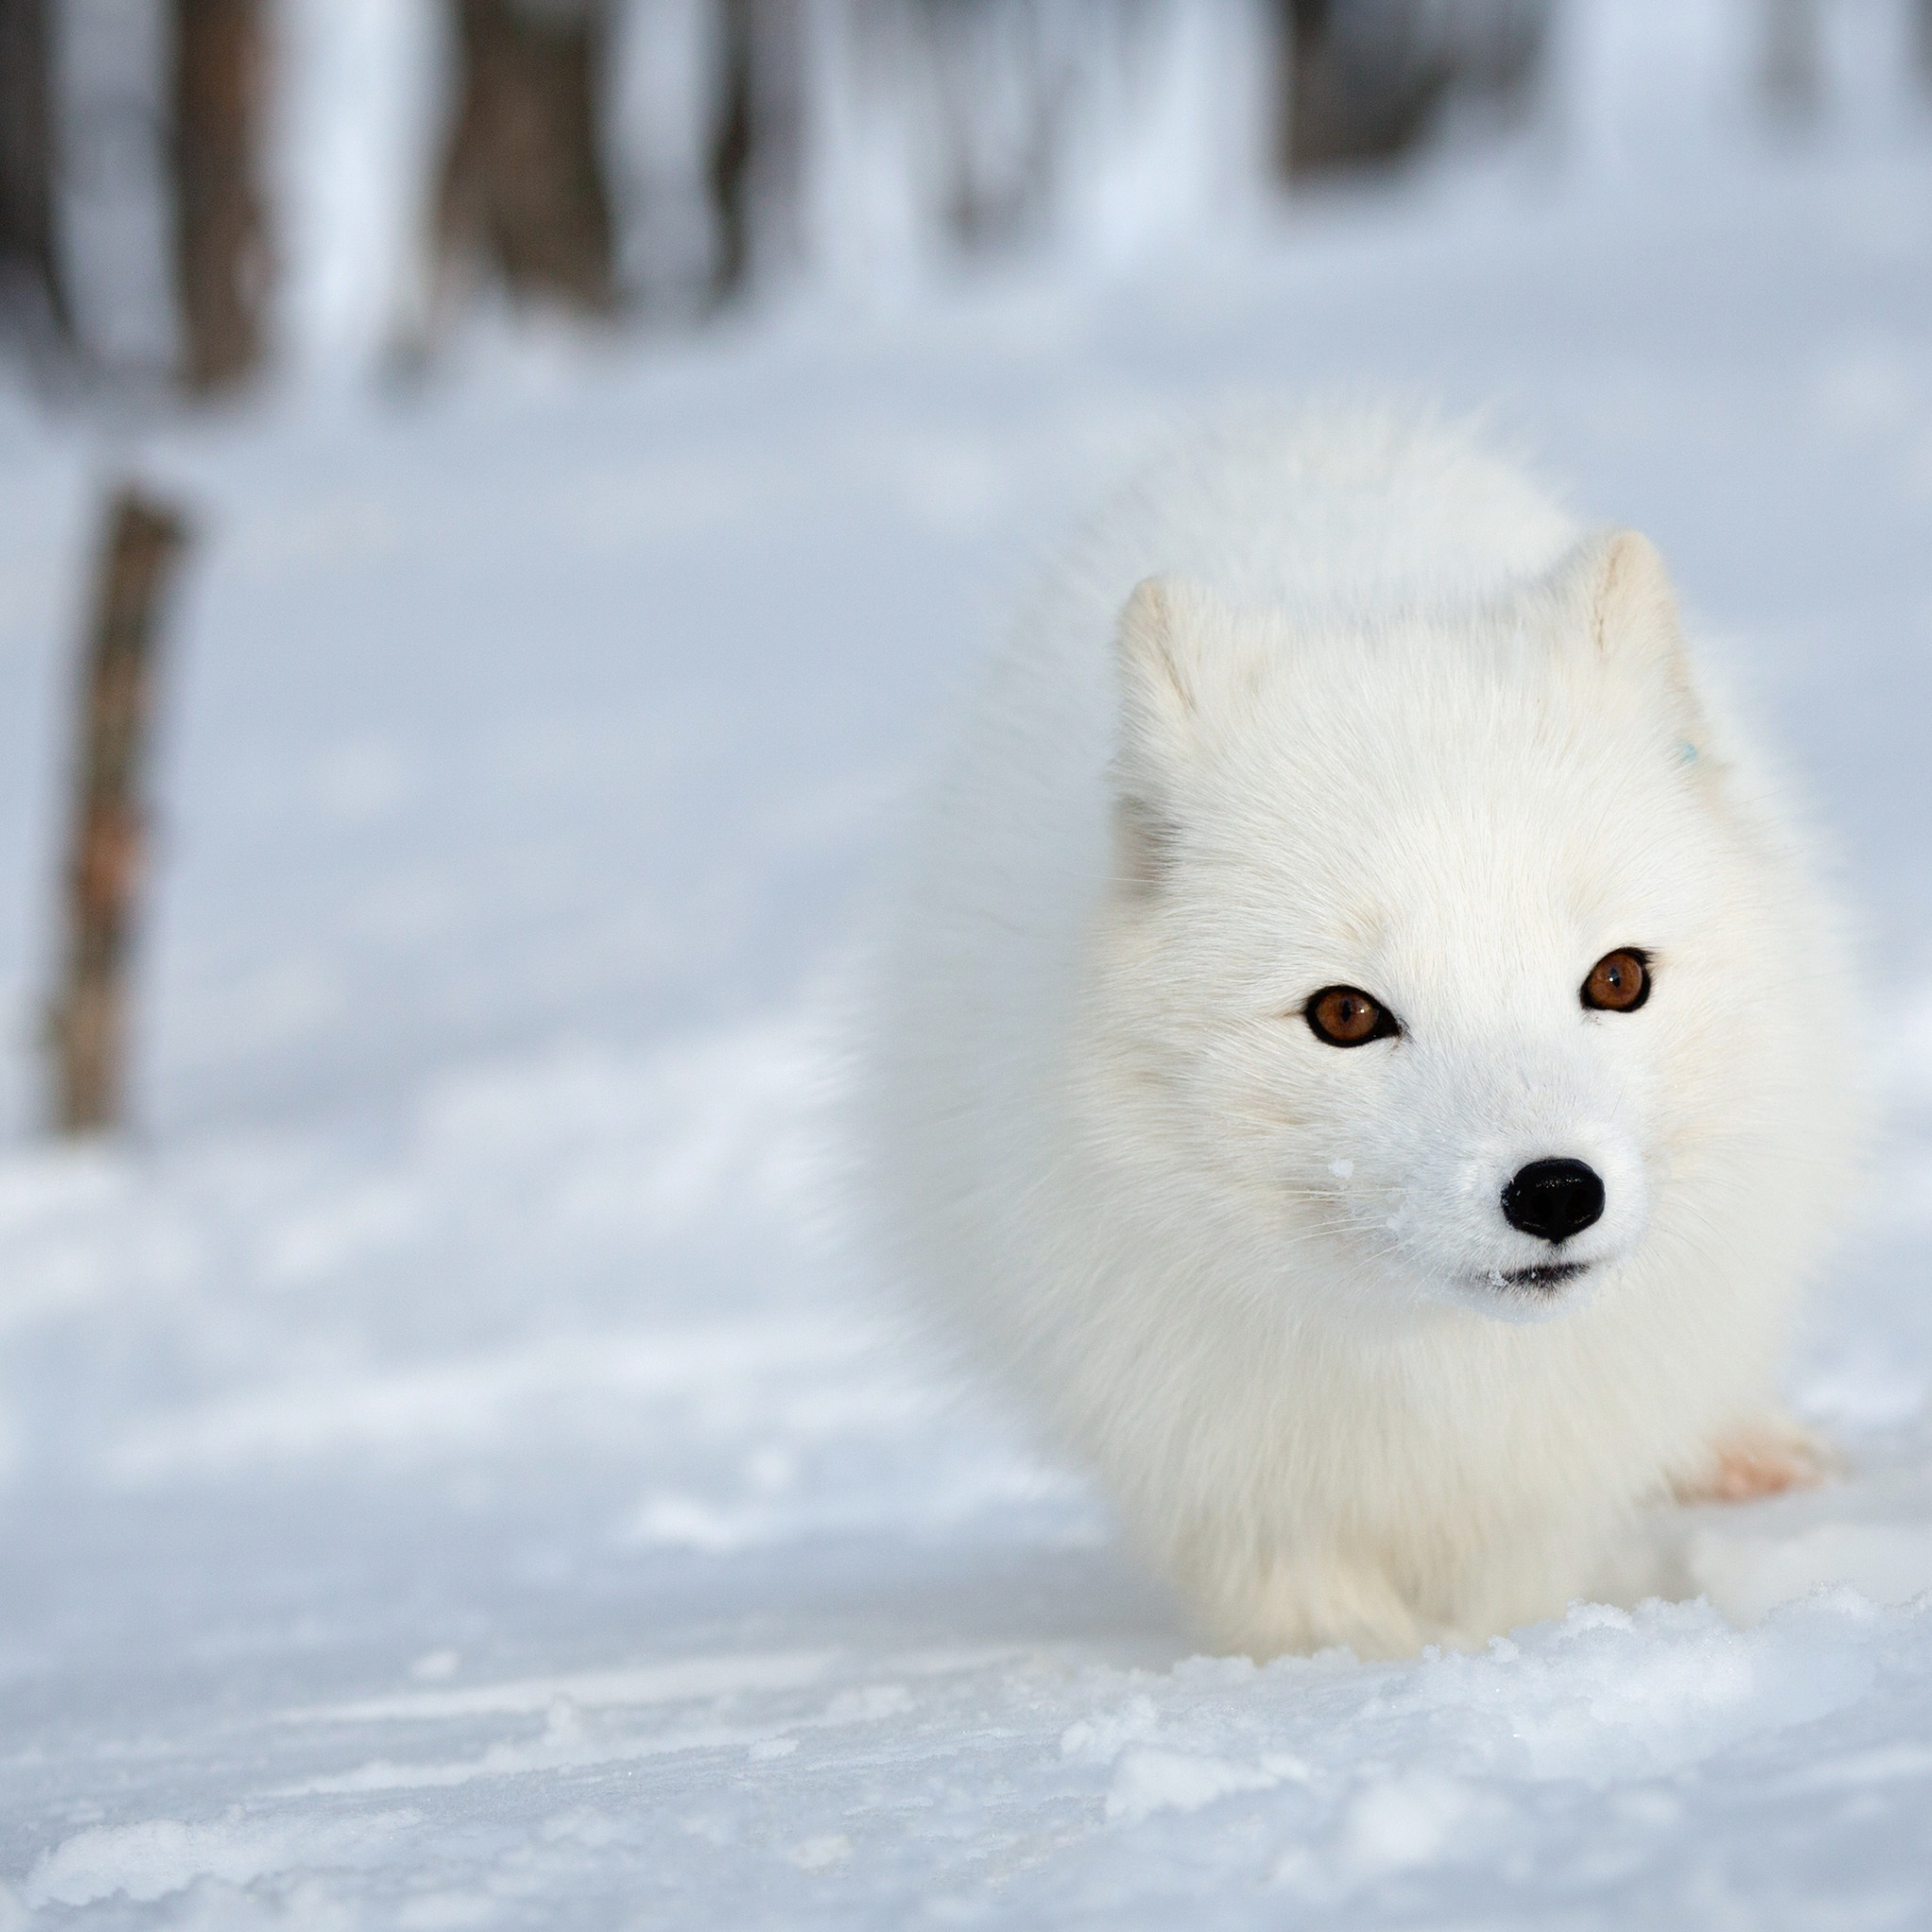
{"x":1346,"y":1016}
{"x":1619,"y":982}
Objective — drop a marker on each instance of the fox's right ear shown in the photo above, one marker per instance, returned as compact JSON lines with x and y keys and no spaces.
{"x":1159,"y":703}
{"x":1159,"y":666}
{"x":1178,"y":655}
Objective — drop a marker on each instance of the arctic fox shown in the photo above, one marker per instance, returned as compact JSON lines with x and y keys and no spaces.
{"x":1363,"y":1048}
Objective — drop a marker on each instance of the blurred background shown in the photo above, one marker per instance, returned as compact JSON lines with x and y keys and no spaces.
{"x":213,"y":193}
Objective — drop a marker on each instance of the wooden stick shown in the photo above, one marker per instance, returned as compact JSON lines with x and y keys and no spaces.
{"x":87,"y":1018}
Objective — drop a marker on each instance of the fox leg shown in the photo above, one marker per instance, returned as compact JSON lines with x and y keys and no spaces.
{"x":1313,"y":1604}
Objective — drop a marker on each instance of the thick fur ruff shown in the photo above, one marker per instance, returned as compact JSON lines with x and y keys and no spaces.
{"x":1378,"y":715}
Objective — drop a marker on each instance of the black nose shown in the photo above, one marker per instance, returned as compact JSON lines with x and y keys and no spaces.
{"x":1553,"y":1199}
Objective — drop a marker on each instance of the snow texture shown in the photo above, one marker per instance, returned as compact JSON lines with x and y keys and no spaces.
{"x":451,"y":1475}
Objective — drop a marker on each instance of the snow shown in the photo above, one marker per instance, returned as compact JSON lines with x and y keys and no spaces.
{"x":452,"y":1473}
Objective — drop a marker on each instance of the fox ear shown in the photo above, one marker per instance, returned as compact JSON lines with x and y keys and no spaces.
{"x":1617,"y":583}
{"x":1632,"y":605}
{"x":1168,"y":650}
{"x":1178,"y":660}
{"x":1159,"y":703}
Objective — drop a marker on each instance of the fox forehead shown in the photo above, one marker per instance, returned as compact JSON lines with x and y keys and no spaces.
{"x":1520,"y":762}
{"x":1485,"y":796}
{"x":1426,"y":852}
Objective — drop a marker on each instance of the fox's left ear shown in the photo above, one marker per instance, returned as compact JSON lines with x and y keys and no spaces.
{"x":1616,"y":584}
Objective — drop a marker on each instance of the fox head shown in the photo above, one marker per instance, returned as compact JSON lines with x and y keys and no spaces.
{"x":1441,"y":941}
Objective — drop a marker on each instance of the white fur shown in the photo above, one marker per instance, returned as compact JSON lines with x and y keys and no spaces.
{"x":1387,"y":718}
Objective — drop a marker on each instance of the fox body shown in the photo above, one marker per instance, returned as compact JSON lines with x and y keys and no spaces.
{"x":1361,"y":1047}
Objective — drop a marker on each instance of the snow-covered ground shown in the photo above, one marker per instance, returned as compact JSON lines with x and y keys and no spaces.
{"x":450,"y":1474}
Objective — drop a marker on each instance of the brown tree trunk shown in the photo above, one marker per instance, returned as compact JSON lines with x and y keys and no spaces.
{"x":87,"y":1018}
{"x":221,"y":243}
{"x":31,"y":303}
{"x":522,"y":189}
{"x":1359,"y":82}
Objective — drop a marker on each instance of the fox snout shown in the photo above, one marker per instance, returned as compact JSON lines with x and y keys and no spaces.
{"x":1550,"y":1187}
{"x":1553,"y":1199}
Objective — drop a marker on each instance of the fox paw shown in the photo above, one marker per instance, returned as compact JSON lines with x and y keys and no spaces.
{"x":1761,"y":1459}
{"x":1313,"y":1604}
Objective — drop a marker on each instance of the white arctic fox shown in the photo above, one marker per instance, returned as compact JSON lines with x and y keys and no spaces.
{"x":1360,"y":1047}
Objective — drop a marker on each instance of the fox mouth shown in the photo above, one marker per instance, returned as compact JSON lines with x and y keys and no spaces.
{"x":1545,"y":1274}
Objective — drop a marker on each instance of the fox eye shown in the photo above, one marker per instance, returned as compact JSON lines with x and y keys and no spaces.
{"x":1346,"y":1016}
{"x":1619,"y":982}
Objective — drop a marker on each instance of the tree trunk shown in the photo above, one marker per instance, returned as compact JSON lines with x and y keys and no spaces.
{"x":31,"y":302}
{"x":757,"y":138}
{"x":219,"y":226}
{"x":1003,"y":89}
{"x":87,"y":1018}
{"x":522,"y":189}
{"x":1361,"y":82}
{"x":1792,"y":60}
